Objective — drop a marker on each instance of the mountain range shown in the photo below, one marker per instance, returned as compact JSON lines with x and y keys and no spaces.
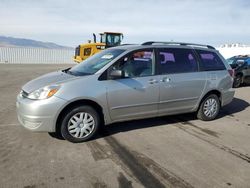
{"x":28,"y":43}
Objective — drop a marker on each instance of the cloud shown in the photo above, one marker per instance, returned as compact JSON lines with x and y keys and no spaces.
{"x":73,"y":22}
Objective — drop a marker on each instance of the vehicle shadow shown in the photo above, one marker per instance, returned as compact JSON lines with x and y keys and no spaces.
{"x":139,"y":124}
{"x":237,"y":105}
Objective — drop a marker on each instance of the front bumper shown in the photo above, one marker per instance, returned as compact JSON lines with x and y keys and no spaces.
{"x":39,"y":115}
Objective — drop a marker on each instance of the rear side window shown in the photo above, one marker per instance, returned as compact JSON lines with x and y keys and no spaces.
{"x":210,"y":61}
{"x":175,"y":60}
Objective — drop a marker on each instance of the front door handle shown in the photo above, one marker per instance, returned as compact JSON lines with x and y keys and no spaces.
{"x":152,"y":81}
{"x":166,"y":79}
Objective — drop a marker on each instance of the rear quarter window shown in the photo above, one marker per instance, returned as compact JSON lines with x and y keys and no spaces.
{"x":210,"y":61}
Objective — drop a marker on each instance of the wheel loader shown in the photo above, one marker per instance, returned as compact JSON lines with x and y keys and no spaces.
{"x":107,"y":40}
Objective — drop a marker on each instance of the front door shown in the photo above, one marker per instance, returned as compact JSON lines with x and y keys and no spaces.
{"x":137,"y":94}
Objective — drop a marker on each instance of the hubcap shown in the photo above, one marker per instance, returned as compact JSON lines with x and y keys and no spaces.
{"x":81,"y":125}
{"x":210,"y":107}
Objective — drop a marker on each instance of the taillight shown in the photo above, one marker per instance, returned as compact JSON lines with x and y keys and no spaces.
{"x":231,"y":72}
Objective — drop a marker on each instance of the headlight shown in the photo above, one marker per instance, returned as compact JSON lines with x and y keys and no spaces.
{"x":44,"y":93}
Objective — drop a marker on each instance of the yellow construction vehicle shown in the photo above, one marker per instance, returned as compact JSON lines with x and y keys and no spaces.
{"x":107,"y":40}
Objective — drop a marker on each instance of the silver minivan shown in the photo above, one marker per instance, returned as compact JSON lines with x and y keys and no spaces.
{"x":125,"y":83}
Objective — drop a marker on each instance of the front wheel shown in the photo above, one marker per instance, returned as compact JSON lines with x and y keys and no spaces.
{"x":209,"y":108}
{"x":80,"y":124}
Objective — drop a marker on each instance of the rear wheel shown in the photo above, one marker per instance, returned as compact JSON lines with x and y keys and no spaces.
{"x":237,"y":81}
{"x":80,"y":124}
{"x":209,"y":108}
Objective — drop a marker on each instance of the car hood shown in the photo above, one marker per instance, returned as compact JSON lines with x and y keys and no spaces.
{"x":47,"y":79}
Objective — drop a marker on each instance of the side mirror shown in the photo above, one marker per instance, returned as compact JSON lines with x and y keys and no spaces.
{"x":116,"y":74}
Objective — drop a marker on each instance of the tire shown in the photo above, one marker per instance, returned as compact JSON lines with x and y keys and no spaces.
{"x":56,"y":135}
{"x":80,"y":124}
{"x":237,"y":81}
{"x":204,"y":113}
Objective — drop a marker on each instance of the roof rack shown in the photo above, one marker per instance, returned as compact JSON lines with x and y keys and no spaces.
{"x":178,"y":43}
{"x":125,"y":44}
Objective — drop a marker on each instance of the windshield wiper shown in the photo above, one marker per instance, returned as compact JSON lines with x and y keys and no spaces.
{"x":75,"y":73}
{"x":68,"y":71}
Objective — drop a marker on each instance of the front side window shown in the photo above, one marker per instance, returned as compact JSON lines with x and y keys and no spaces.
{"x":175,"y":60}
{"x":95,"y":62}
{"x":136,"y":64}
{"x":210,"y":61}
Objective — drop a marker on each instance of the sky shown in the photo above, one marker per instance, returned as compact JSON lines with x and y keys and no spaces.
{"x":71,"y":22}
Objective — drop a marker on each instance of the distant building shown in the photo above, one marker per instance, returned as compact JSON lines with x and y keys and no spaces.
{"x":21,"y":55}
{"x":230,"y":50}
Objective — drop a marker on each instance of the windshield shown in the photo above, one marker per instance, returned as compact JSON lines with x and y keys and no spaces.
{"x":233,"y":60}
{"x":230,"y":61}
{"x":113,"y":40}
{"x":95,"y":62}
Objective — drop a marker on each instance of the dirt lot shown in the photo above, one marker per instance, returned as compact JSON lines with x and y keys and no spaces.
{"x":175,"y":151}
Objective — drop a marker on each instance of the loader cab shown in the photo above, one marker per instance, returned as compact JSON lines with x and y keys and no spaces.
{"x":111,"y":39}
